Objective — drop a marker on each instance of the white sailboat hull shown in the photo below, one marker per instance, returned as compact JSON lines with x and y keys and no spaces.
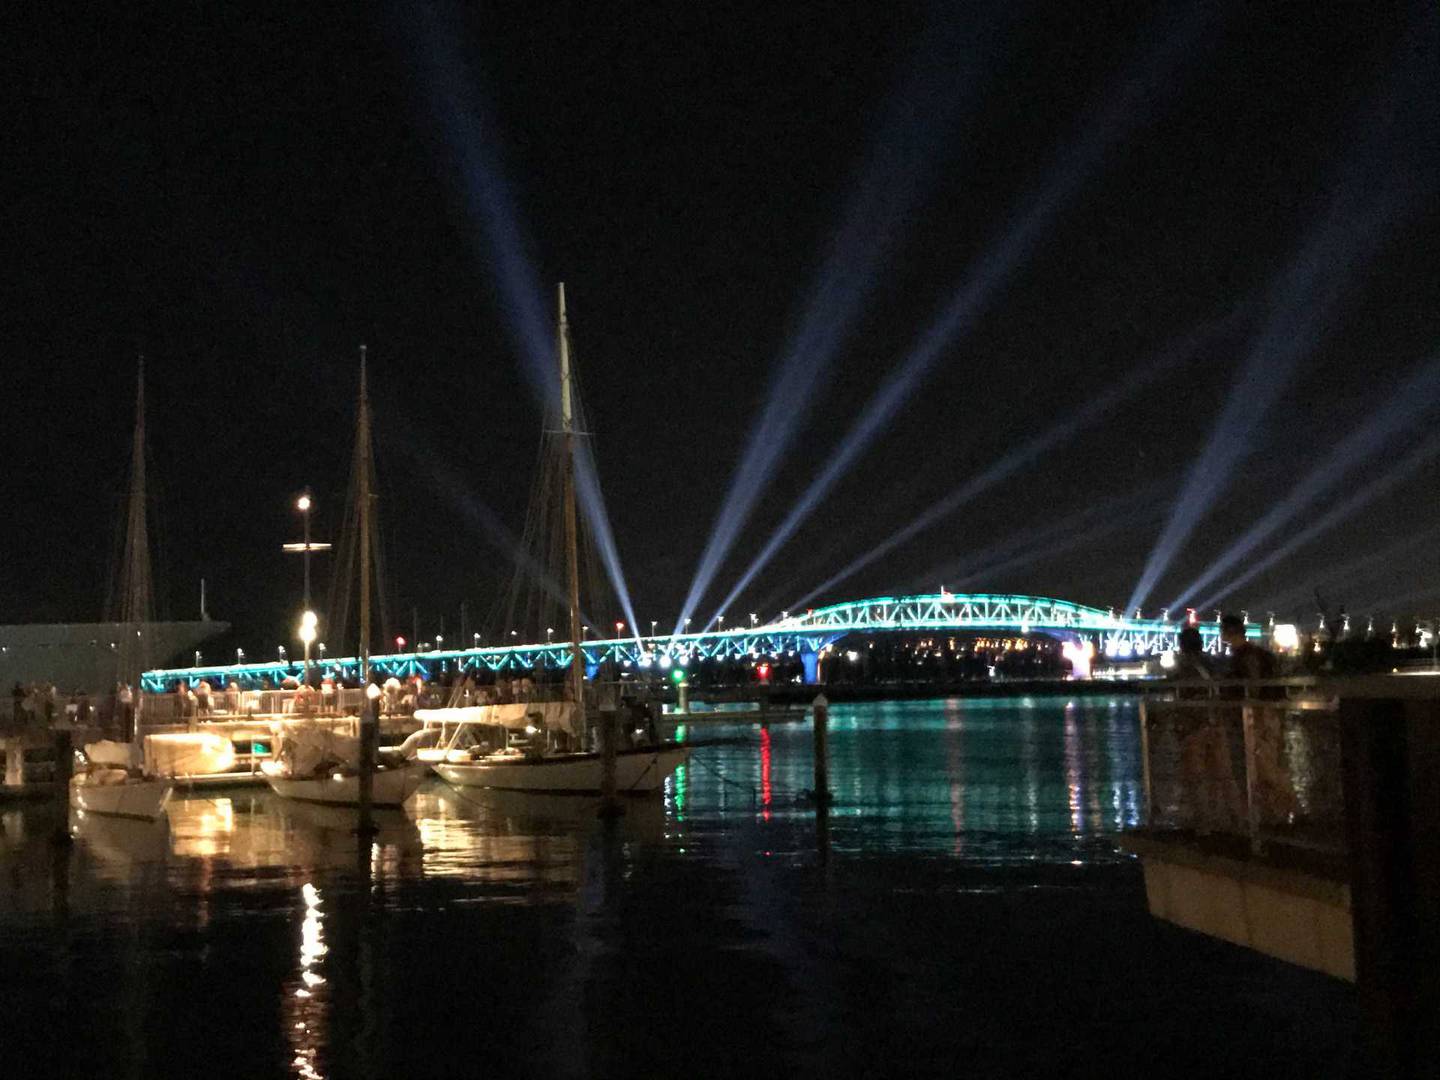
{"x":143,"y":799}
{"x":391,"y":787}
{"x":636,"y":771}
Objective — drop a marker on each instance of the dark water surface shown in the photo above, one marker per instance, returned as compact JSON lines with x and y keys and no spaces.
{"x":965,"y":913}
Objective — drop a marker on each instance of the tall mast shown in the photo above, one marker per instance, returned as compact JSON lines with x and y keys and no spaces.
{"x":135,"y":584}
{"x":572,"y":537}
{"x":362,"y":453}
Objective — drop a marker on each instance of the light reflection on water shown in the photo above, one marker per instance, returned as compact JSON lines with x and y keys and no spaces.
{"x":237,"y":881}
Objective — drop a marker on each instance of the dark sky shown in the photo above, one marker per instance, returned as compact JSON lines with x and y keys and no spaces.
{"x":245,"y":193}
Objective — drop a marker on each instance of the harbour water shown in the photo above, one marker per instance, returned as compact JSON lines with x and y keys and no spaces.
{"x":963,"y":911}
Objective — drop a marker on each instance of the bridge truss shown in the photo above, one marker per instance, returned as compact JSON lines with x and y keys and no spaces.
{"x":811,"y":632}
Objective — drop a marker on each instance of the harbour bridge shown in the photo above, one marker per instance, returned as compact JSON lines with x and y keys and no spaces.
{"x":804,"y":635}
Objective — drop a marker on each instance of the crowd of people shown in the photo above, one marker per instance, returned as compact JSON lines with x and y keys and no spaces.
{"x":1246,"y":671}
{"x":42,"y":705}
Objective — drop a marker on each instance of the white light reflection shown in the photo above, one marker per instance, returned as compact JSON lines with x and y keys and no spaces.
{"x":305,"y":1011}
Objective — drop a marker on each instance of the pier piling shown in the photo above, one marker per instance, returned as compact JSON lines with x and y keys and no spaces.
{"x":821,"y":714}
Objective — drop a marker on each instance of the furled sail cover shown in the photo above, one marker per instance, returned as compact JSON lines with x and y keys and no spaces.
{"x":186,"y":753}
{"x":555,"y":715}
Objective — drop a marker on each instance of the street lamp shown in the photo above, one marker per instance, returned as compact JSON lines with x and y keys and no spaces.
{"x":282,"y":653}
{"x":652,"y":626}
{"x":477,"y":639}
{"x":687,"y":625}
{"x":549,"y":634}
{"x":303,"y":504}
{"x":308,"y":624}
{"x":754,"y":619}
{"x":722,"y":623}
{"x":321,"y":647}
{"x":239,"y":656}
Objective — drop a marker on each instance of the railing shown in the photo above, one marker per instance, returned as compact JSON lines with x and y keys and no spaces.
{"x":168,"y":709}
{"x":1257,"y":760}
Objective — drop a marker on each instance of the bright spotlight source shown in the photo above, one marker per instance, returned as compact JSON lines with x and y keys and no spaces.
{"x":310,"y":619}
{"x":373,"y":691}
{"x":1286,"y":637}
{"x":665,"y":661}
{"x":303,"y":503}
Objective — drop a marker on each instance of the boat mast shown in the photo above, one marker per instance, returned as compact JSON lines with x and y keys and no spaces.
{"x":572,"y":538}
{"x":363,"y":458}
{"x":135,"y":585}
{"x":369,"y":707}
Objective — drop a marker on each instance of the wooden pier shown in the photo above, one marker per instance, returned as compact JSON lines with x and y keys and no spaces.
{"x":1321,"y":847}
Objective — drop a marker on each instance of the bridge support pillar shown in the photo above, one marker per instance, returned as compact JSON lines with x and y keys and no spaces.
{"x":810,"y":661}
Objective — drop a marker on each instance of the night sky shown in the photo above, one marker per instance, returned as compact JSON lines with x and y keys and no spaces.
{"x":246,"y":193}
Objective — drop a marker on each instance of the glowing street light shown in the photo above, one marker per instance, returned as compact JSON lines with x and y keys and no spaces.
{"x":303,"y":505}
{"x":653,"y":623}
{"x":239,"y":656}
{"x":549,"y":635}
{"x":754,"y":619}
{"x":282,"y":653}
{"x":722,"y":623}
{"x":477,"y":639}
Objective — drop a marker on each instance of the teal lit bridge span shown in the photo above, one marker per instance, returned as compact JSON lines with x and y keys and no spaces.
{"x":805,"y":635}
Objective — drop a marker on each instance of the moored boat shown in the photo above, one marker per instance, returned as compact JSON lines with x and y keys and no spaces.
{"x":112,"y":784}
{"x":390,"y":785}
{"x":637,"y":771}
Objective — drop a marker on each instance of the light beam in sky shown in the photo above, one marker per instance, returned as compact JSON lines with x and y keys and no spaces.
{"x":1128,"y":105}
{"x":945,"y":77}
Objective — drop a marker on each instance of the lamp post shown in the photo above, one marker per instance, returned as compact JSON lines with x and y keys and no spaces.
{"x":308,"y":623}
{"x":653,"y":623}
{"x":722,"y":624}
{"x":305,"y":547}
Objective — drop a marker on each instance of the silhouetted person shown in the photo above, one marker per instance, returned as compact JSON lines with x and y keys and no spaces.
{"x":1247,"y":659}
{"x":1207,"y":778}
{"x":1250,"y":661}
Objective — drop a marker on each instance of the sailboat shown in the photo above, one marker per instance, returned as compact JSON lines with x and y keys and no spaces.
{"x":465,"y":758}
{"x":113,"y":781}
{"x":312,"y":761}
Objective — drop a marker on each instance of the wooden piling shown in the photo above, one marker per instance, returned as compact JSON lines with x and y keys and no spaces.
{"x":64,"y":769}
{"x":369,"y":737}
{"x":1390,"y":749}
{"x":609,"y":733}
{"x":820,"y":709}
